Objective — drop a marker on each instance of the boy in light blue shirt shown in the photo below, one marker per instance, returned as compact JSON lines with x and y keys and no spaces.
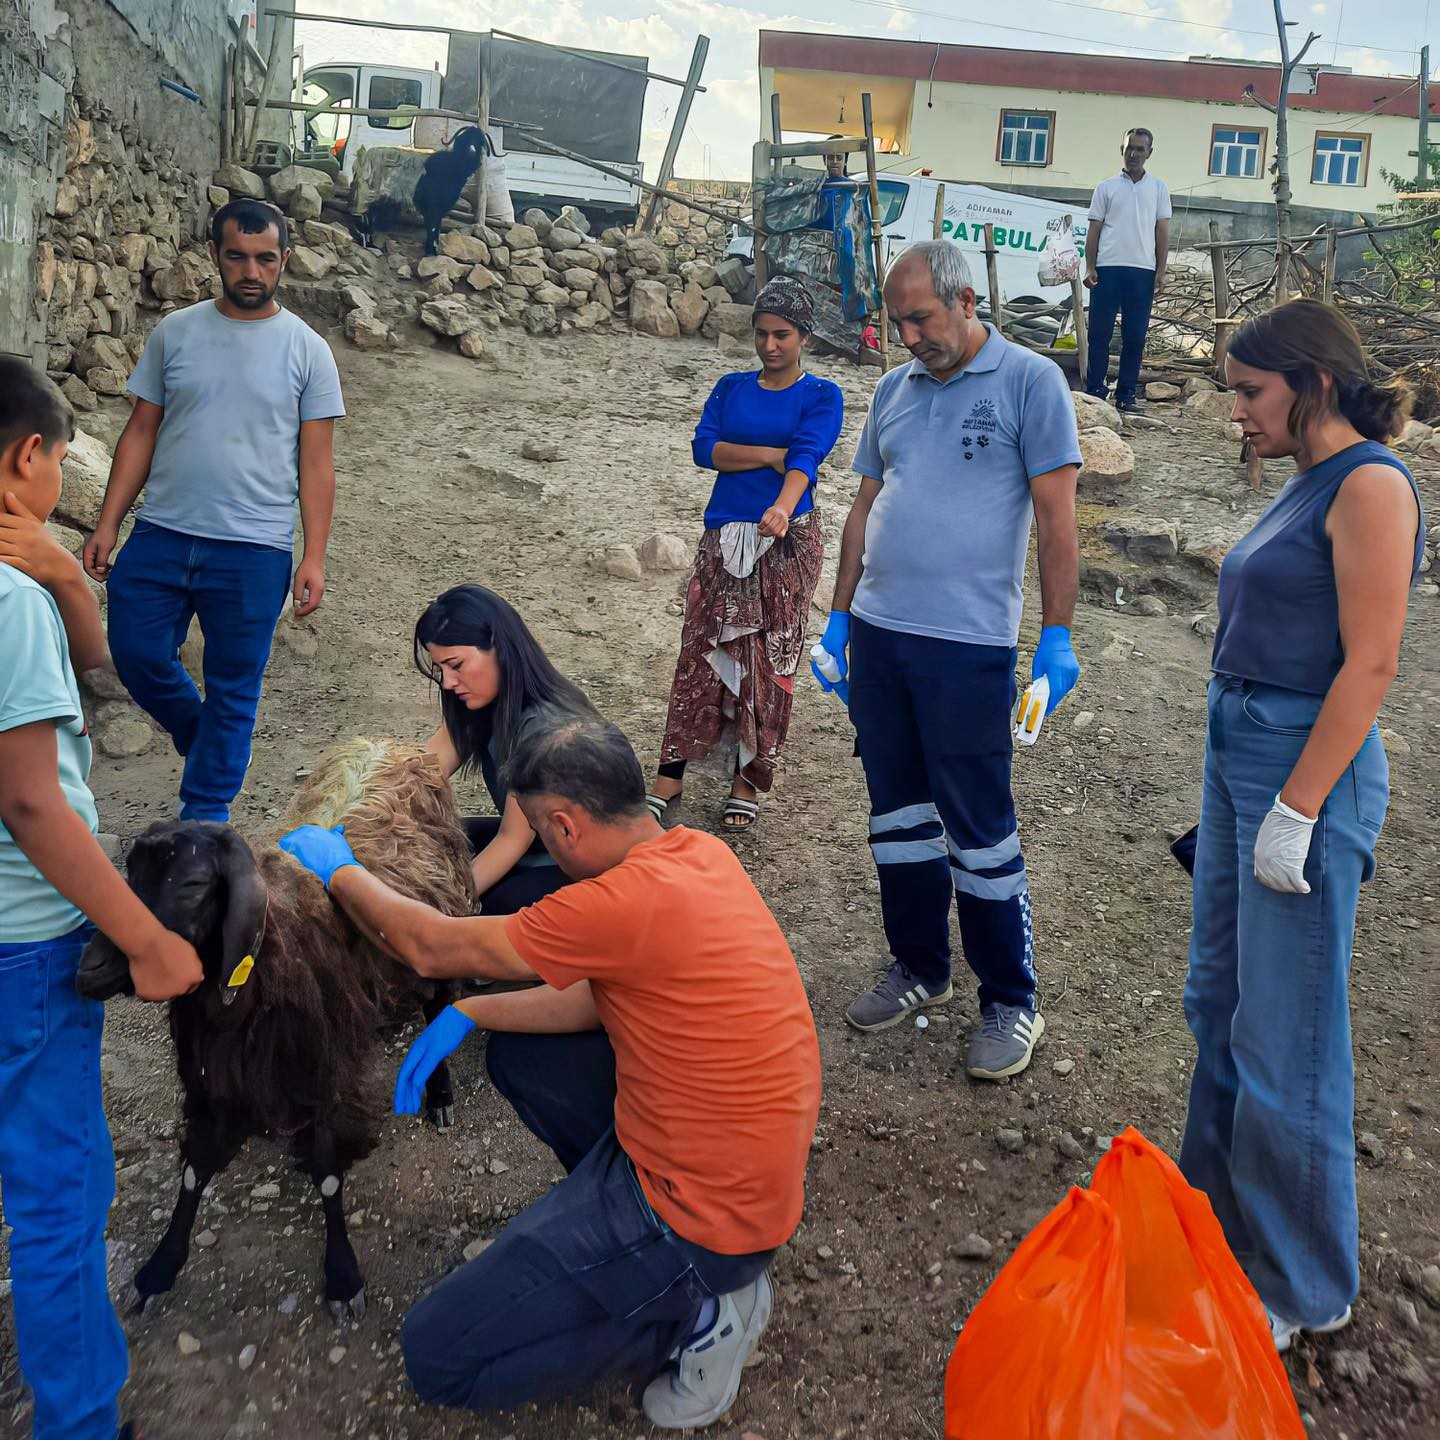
{"x":56,"y":885}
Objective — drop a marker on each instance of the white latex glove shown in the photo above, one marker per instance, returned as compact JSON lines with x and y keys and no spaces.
{"x":1281,"y":849}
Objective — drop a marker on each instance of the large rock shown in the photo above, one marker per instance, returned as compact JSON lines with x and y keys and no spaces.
{"x":481,"y":277}
{"x":591,"y":314}
{"x":102,"y":351}
{"x":429,"y":266}
{"x":240,"y":181}
{"x":548,"y":294}
{"x":366,"y":331}
{"x":527,"y":275}
{"x":85,"y":474}
{"x":317,"y":232}
{"x":78,"y":393}
{"x":621,"y":562}
{"x":1413,"y":436}
{"x":577,"y":279}
{"x":1197,"y":385}
{"x":732,"y":273}
{"x":105,"y":381}
{"x":1162,"y":390}
{"x":447,"y":316}
{"x":650,"y":311}
{"x":662,"y":553}
{"x":130,"y":251}
{"x":690,"y":307}
{"x":540,"y":319}
{"x":588,"y":259}
{"x":309,"y":264}
{"x":304,"y":204}
{"x":573,"y":219}
{"x":1207,"y":551}
{"x":124,"y":734}
{"x":472,"y":344}
{"x":1212,"y":404}
{"x":1144,"y":539}
{"x":1091,"y":411}
{"x":702,"y":272}
{"x":464,"y":248}
{"x":522,"y":237}
{"x":561,"y":237}
{"x":538,"y":221}
{"x":1106,"y":459}
{"x":356,"y":297}
{"x":645,"y":255}
{"x":730,"y":319}
{"x":284,"y":183}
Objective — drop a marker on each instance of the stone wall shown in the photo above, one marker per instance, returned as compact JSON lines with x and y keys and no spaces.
{"x":685,"y":234}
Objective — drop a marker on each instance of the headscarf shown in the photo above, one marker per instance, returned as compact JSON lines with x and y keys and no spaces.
{"x":790,"y":300}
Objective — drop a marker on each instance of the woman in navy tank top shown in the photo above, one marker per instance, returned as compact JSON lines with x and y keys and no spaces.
{"x":1312,"y":608}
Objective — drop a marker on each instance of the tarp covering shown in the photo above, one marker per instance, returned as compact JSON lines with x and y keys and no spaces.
{"x":389,"y":173}
{"x":819,"y":232}
{"x":588,"y":107}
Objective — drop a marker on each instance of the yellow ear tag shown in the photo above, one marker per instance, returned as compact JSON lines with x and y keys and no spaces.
{"x":241,"y":973}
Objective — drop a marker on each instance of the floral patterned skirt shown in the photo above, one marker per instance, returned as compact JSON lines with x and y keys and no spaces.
{"x":740,"y":647}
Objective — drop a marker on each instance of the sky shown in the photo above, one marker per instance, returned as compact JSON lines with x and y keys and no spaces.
{"x":1373,"y":36}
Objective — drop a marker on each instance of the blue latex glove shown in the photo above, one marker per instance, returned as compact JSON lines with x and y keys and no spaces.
{"x":836,"y":641}
{"x":1056,"y":660}
{"x":438,"y":1041}
{"x":322,"y":852}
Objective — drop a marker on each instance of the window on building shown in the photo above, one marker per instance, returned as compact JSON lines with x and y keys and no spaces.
{"x":393,"y":92}
{"x":1235,"y":152}
{"x":1340,"y":159}
{"x":1025,"y":136}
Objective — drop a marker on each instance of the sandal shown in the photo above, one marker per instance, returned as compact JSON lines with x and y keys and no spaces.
{"x":739,"y":814}
{"x":660,"y":806}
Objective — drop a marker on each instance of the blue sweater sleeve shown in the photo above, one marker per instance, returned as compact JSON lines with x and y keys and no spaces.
{"x":821,"y":415}
{"x":707,"y":432}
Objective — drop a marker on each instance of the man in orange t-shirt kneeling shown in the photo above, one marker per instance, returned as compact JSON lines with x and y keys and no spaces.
{"x":670,"y":1061}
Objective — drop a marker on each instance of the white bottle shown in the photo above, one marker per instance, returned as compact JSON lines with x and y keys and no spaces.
{"x":1030,"y":711}
{"x":826,"y":663}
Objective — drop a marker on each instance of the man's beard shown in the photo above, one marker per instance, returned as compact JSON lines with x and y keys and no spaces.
{"x":249,"y":299}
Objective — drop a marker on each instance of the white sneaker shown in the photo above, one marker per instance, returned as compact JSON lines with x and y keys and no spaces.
{"x":703,"y":1379}
{"x":1284,"y":1331}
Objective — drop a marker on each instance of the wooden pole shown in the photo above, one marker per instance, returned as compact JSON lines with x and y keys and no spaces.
{"x":1082,"y":334}
{"x":267,"y":84}
{"x":992,"y":279}
{"x":237,"y":97}
{"x":1282,"y":155}
{"x":677,"y":130}
{"x":1327,"y":285}
{"x":940,"y":211}
{"x":759,"y":179}
{"x":876,"y":240}
{"x":483,"y":109}
{"x":1220,"y":286}
{"x":227,"y":109}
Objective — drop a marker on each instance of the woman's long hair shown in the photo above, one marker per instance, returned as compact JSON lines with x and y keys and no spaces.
{"x":473,"y":615}
{"x":1305,"y":337}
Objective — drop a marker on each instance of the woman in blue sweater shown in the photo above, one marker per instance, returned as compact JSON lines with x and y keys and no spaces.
{"x":1312,"y":608}
{"x":764,"y":432}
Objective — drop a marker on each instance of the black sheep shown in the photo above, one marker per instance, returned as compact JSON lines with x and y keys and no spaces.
{"x":440,"y":185}
{"x":283,"y":1036}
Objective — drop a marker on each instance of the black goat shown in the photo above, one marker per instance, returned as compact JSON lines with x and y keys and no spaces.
{"x":440,"y":184}
{"x":282,"y":1037}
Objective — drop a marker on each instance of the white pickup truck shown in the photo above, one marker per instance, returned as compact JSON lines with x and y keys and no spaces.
{"x":333,"y":90}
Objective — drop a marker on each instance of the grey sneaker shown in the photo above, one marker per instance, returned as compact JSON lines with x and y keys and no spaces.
{"x":1005,"y":1041}
{"x":703,"y":1379}
{"x":1285,"y":1331}
{"x":899,"y":994}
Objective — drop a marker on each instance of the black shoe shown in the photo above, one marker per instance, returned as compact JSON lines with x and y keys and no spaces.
{"x":1128,"y":407}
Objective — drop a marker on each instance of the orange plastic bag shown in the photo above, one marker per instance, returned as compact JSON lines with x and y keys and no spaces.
{"x":1122,"y":1316}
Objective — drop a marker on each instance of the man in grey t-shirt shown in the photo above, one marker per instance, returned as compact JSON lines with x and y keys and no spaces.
{"x":961,"y":447}
{"x":235,"y":407}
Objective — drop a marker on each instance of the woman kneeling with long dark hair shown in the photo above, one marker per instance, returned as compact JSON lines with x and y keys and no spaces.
{"x":496,"y":684}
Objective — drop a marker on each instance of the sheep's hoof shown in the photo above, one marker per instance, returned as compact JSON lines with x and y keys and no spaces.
{"x":442,"y":1117}
{"x":353,"y":1308}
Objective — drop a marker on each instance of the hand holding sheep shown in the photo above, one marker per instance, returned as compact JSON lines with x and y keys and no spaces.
{"x":438,"y":1041}
{"x":322,"y":852}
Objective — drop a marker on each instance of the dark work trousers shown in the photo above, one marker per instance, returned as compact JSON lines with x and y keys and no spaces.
{"x":523,"y":886}
{"x":586,"y":1286}
{"x":933,"y":721}
{"x":1129,"y":292}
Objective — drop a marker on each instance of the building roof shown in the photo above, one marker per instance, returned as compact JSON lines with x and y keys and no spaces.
{"x":1211,"y":80}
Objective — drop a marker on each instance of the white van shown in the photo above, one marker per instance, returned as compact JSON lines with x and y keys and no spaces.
{"x":1023,"y":225}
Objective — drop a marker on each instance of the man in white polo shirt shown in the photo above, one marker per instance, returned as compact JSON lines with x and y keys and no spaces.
{"x":1125,"y":254}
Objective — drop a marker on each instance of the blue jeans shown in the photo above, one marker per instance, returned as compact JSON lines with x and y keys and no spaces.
{"x":1129,"y":292}
{"x":587,"y":1284}
{"x":1270,"y":1132}
{"x":57,"y":1172}
{"x":932,"y":720}
{"x":161,"y":579}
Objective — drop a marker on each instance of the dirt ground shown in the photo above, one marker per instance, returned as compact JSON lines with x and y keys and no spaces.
{"x":906,"y":1165}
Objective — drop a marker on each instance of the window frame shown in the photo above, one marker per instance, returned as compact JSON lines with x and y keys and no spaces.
{"x":393,"y":122}
{"x":1364,"y":169}
{"x":1049,"y":139}
{"x":1261,"y":151}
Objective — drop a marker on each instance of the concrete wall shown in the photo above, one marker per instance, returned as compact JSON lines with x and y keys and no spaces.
{"x":957,"y":132}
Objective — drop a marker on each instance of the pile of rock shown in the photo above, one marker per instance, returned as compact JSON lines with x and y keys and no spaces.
{"x":1106,"y":461}
{"x":125,"y":237}
{"x":685,"y":234}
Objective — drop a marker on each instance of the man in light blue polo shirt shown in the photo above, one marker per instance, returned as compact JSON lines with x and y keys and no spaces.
{"x":234,"y":420}
{"x":961,"y":447}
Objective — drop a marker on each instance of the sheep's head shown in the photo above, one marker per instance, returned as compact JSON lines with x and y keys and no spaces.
{"x":199,"y":880}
